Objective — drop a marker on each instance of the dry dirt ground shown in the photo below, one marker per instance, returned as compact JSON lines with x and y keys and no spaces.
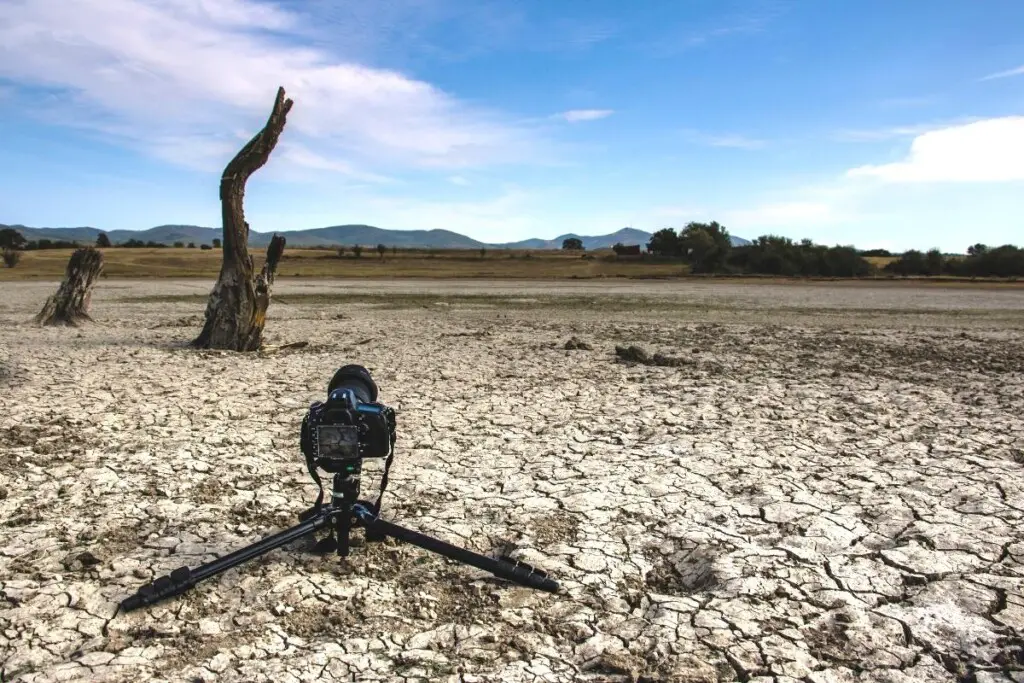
{"x":826,"y":486}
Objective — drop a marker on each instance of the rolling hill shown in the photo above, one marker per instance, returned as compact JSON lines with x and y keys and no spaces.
{"x":336,"y":235}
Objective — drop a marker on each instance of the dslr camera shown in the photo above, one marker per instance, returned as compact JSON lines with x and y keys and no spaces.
{"x":350,"y":426}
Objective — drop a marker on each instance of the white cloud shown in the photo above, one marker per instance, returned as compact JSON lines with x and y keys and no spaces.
{"x":953,"y":176}
{"x":991,"y":150}
{"x":576,"y":115}
{"x":458,"y":180}
{"x":1019,"y":71}
{"x":166,"y":75}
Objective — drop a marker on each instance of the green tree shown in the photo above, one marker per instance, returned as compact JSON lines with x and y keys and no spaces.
{"x":976,"y":249}
{"x":341,"y":252}
{"x":191,"y":245}
{"x":911,"y":262}
{"x":102,"y":240}
{"x":11,"y":239}
{"x":216,"y":243}
{"x":357,"y":250}
{"x":179,"y":245}
{"x":705,"y":246}
{"x":934,"y":262}
{"x":664,"y":243}
{"x":381,"y":250}
{"x":1004,"y":261}
{"x":572,"y":244}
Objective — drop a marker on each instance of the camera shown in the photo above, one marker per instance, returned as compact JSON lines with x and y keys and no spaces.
{"x":350,"y":426}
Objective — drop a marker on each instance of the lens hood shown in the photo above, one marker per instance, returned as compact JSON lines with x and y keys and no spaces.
{"x":358,"y":379}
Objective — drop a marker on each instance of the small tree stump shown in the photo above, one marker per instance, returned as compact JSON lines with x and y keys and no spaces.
{"x":70,"y":305}
{"x":237,"y":307}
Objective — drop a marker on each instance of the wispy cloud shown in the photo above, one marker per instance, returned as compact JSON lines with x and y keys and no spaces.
{"x":906,"y":102}
{"x":571,"y":34}
{"x":1019,"y":71}
{"x":752,"y":21}
{"x":171,"y":76}
{"x":458,"y":180}
{"x":576,"y":115}
{"x":991,"y":150}
{"x":729,"y":140}
{"x":303,"y":157}
{"x":878,"y":134}
{"x":884,"y":133}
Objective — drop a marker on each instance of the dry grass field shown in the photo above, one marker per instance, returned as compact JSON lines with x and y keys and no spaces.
{"x":824,"y":483}
{"x":542,"y":264}
{"x":171,"y":262}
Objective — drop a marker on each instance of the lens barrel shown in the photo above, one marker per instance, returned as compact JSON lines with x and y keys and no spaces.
{"x":357,"y":378}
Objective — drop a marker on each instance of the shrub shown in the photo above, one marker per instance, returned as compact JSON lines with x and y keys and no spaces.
{"x":11,"y":257}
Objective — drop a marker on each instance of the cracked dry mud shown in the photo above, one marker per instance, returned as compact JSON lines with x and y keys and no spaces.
{"x":830,"y":491}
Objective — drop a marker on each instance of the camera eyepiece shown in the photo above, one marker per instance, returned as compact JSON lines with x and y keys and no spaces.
{"x":357,"y":378}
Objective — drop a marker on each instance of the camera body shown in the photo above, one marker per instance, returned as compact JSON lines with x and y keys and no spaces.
{"x":350,"y":426}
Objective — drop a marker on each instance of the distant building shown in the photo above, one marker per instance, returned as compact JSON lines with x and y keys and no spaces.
{"x":627,"y":249}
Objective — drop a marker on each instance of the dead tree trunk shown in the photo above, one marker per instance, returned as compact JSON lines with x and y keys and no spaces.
{"x":70,"y":305}
{"x":237,"y":307}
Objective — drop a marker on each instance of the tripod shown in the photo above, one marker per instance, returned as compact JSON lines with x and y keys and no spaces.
{"x":338,"y":516}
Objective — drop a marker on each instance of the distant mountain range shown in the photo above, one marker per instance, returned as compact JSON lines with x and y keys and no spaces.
{"x":337,"y":235}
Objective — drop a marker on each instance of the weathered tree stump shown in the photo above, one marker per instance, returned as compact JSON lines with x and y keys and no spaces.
{"x":236,"y":310}
{"x":70,"y":305}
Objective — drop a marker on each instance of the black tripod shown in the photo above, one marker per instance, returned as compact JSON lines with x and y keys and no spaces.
{"x":338,"y":516}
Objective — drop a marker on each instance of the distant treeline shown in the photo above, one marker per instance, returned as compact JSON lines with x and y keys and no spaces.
{"x":12,"y":239}
{"x":981,"y":261}
{"x":706,"y":247}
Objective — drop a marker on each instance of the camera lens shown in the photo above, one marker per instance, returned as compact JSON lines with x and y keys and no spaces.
{"x":357,"y":378}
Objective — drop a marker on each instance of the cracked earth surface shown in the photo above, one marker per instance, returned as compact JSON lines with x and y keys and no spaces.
{"x":826,"y":488}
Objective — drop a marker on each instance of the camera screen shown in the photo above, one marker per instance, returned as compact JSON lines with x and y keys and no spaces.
{"x":337,"y":441}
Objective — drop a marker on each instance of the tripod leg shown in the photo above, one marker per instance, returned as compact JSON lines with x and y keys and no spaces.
{"x":519,"y":572}
{"x":343,"y":527}
{"x":183,"y":578}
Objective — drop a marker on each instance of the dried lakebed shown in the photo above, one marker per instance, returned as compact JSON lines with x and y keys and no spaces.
{"x":825,"y":486}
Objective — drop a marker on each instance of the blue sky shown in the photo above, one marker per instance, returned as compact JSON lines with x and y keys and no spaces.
{"x":875,"y":123}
